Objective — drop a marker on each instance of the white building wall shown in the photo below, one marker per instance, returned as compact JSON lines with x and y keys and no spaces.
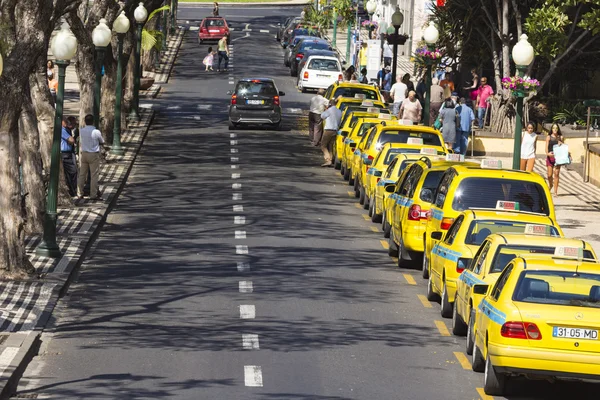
{"x":415,"y":16}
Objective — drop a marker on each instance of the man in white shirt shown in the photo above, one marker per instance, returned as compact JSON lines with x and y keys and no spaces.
{"x":315,"y":123}
{"x":398,"y":92}
{"x":333,"y":118}
{"x":90,"y":140}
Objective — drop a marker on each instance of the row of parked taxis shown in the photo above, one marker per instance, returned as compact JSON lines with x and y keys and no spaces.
{"x":526,"y":298}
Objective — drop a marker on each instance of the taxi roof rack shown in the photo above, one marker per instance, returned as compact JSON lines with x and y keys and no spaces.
{"x":501,"y":210}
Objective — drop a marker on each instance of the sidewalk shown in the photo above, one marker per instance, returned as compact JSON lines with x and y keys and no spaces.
{"x":27,"y":306}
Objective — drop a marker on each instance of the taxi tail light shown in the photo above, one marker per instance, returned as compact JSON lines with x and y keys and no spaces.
{"x":276,"y":100}
{"x":299,"y":56}
{"x":446,"y":223}
{"x":414,"y":213}
{"x":378,"y":179}
{"x":340,"y":77}
{"x":521,"y":330}
{"x":233,"y":99}
{"x":367,"y":166}
{"x":462,"y":264}
{"x":203,"y":29}
{"x":305,"y":74}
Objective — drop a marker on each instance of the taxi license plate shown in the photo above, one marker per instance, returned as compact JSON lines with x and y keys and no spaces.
{"x":213,"y":30}
{"x":255,"y":102}
{"x":574,"y":333}
{"x":322,"y":76}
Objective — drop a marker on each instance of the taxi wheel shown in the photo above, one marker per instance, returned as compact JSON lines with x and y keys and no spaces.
{"x":371,"y":208}
{"x":337,"y":164}
{"x":374,"y":216}
{"x":387,"y":228}
{"x":493,"y":382}
{"x":459,"y":328}
{"x":343,"y":170}
{"x":425,"y":267}
{"x":477,"y":362}
{"x":471,"y":332}
{"x":361,"y":195}
{"x":431,"y":295}
{"x":366,"y":201}
{"x":445,"y":305}
{"x":350,"y":179}
{"x":392,"y":247}
{"x":356,"y":187}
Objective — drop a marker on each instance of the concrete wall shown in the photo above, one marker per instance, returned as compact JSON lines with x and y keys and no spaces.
{"x":594,"y":164}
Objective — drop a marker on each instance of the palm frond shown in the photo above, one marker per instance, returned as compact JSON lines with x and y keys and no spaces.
{"x":158,"y":10}
{"x":149,"y":40}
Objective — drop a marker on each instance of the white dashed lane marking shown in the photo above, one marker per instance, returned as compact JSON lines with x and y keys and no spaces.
{"x":250,"y":342}
{"x":247,"y":312}
{"x":245,"y":286}
{"x":233,"y":151}
{"x":234,"y":167}
{"x":236,"y":196}
{"x":243,"y":267}
{"x":232,"y":135}
{"x":239,"y":220}
{"x":238,"y":208}
{"x":241,"y":249}
{"x":235,"y":159}
{"x":236,"y":176}
{"x":253,"y":376}
{"x":236,"y":185}
{"x":240,"y":234}
{"x":233,"y":142}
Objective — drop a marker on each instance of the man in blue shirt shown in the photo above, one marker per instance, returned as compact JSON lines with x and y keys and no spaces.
{"x":463,"y":130}
{"x":67,"y":152}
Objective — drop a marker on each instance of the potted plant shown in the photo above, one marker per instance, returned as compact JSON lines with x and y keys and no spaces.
{"x":370,"y":25}
{"x":520,"y":85}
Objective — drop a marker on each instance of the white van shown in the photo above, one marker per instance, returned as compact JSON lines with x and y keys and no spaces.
{"x":319,"y":72}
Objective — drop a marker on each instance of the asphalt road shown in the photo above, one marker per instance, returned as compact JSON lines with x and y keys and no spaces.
{"x":234,"y":267}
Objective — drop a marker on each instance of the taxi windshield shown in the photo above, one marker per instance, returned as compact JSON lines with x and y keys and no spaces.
{"x":506,"y":253}
{"x":352,"y":91}
{"x":391,"y":154}
{"x":399,"y":136}
{"x":365,"y":127}
{"x":559,"y":288}
{"x":480,"y":229}
{"x":486,"y":192}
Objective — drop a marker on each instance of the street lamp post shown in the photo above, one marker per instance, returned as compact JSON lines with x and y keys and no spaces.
{"x":101,"y":38}
{"x":431,"y":36}
{"x":173,"y":19}
{"x":397,"y":21}
{"x":523,"y":55}
{"x":371,"y":7}
{"x":64,"y":47}
{"x":165,"y":30}
{"x":140,"y":14}
{"x":382,"y":31}
{"x":334,"y":39}
{"x":121,"y":26}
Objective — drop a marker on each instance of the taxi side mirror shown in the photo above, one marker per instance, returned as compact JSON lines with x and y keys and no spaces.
{"x":368,"y":161}
{"x":352,"y":145}
{"x":344,"y":133}
{"x":437,"y":235}
{"x":390,"y":187}
{"x":480,"y":289}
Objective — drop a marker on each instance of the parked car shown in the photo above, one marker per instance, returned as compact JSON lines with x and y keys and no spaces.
{"x":319,"y":72}
{"x":302,"y":63}
{"x":302,"y":47}
{"x":213,"y":28}
{"x":281,"y":27}
{"x":297,"y":24}
{"x":255,"y":101}
{"x":287,"y":56}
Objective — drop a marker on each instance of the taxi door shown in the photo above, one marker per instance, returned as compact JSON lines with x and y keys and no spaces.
{"x":442,"y":255}
{"x":359,"y":155}
{"x":403,"y":199}
{"x":469,"y":277}
{"x":436,"y":221}
{"x":392,"y":206}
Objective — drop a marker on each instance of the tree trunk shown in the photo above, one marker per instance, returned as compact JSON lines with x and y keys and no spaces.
{"x":44,"y":111}
{"x":31,"y":161}
{"x":107,"y":103}
{"x":129,"y":77}
{"x":505,"y":39}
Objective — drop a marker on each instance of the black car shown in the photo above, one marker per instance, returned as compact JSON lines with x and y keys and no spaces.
{"x":287,"y":33}
{"x":281,"y":27}
{"x":255,"y":101}
{"x":287,"y":56}
{"x":302,"y":47}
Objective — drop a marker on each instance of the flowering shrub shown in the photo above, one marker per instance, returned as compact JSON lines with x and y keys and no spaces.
{"x":424,"y":53}
{"x":369,"y":24}
{"x":521,"y":84}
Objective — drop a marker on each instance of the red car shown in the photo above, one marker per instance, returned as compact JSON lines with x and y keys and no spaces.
{"x":213,"y":28}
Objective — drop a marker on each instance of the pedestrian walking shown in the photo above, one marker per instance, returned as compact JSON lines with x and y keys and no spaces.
{"x":52,"y":85}
{"x":90,"y":141}
{"x":67,"y":153}
{"x":410,"y":86}
{"x":350,"y":74}
{"x":362,"y":55}
{"x":50,"y":68}
{"x":318,"y":104}
{"x":363,"y":76}
{"x":466,"y":117}
{"x":436,"y":101}
{"x":388,"y":54}
{"x":398,"y":92}
{"x":209,"y":59}
{"x":223,"y":49}
{"x":473,"y":86}
{"x":554,"y":138}
{"x":332,"y":117}
{"x":484,"y":93}
{"x":411,"y":108}
{"x":387,"y":83}
{"x":215,"y":11}
{"x":447,"y":82}
{"x":528,"y":148}
{"x":449,"y":119}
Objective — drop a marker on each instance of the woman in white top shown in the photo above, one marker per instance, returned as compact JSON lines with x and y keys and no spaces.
{"x":528,"y":142}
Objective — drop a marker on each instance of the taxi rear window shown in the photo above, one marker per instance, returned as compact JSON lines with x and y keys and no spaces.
{"x":480,"y":229}
{"x":431,"y":182}
{"x":506,"y":253}
{"x":559,"y":288}
{"x":352,"y":91}
{"x":365,"y":127}
{"x":485,"y":193}
{"x":357,"y":107}
{"x":391,"y":154}
{"x":429,"y":139}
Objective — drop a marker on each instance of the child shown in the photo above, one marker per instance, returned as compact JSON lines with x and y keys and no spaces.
{"x":208,"y":60}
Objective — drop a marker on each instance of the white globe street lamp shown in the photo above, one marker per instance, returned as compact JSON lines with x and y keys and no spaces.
{"x":101,"y":36}
{"x":431,"y":34}
{"x":140,"y":14}
{"x":121,"y":26}
{"x":371,"y":7}
{"x":64,"y":47}
{"x":523,"y":52}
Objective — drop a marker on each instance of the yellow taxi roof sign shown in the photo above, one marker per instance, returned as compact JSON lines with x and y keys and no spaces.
{"x":533,"y":229}
{"x":414,"y":140}
{"x":359,"y":96}
{"x":507,"y":205}
{"x":406,"y":122}
{"x":367,"y":103}
{"x":384,"y":116}
{"x":429,"y":151}
{"x":489,"y":163}
{"x":453,"y":157}
{"x":373,"y":110}
{"x":571,"y":252}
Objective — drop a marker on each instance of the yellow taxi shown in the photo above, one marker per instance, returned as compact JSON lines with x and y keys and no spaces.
{"x":413,"y":137}
{"x":451,"y":255}
{"x":386,"y":186}
{"x":497,"y":250}
{"x":350,"y":117}
{"x":468,"y":186}
{"x":351,"y":89}
{"x":406,"y":217}
{"x":351,"y":140}
{"x":358,"y":103}
{"x":541,"y":319}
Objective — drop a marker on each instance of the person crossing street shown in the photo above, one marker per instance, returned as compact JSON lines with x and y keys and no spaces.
{"x":332,"y":117}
